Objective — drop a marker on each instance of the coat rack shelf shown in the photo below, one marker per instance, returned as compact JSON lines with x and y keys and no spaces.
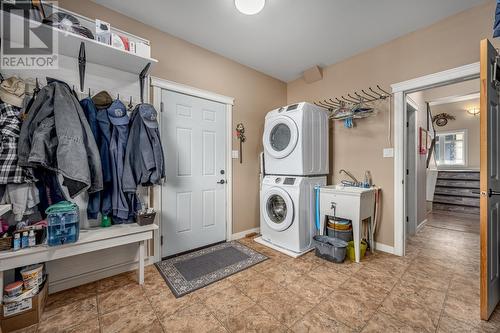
{"x":365,"y":95}
{"x":69,"y":45}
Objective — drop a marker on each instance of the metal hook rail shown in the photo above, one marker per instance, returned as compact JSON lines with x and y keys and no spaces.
{"x":365,"y":96}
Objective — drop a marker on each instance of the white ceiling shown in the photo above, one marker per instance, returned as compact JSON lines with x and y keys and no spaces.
{"x":289,"y":36}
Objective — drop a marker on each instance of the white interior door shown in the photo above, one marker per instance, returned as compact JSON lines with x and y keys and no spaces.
{"x":194,"y":195}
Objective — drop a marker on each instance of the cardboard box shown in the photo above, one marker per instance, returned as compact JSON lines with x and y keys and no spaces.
{"x":103,"y":32}
{"x":26,"y":313}
{"x":143,"y":49}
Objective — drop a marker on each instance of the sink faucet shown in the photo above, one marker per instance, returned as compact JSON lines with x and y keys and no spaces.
{"x":349,"y":175}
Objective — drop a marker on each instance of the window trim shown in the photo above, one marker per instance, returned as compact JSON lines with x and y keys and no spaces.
{"x":466,"y":149}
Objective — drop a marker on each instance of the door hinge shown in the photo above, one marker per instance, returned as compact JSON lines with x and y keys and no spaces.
{"x":161,"y":106}
{"x":407,"y":124}
{"x":161,"y":240}
{"x":407,"y":219}
{"x":407,"y":172}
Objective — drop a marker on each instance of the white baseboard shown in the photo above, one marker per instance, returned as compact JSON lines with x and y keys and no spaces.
{"x":421,"y":225}
{"x":384,"y":248}
{"x":87,"y":277}
{"x":240,"y":235}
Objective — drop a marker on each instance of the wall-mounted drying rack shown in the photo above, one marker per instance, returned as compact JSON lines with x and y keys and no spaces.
{"x":364,"y":96}
{"x":354,"y":107}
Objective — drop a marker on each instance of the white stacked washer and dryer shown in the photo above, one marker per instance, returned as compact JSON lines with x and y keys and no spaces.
{"x":296,"y":160}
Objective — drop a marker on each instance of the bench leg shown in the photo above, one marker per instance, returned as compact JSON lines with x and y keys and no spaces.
{"x":141,"y":262}
{"x":1,"y":286}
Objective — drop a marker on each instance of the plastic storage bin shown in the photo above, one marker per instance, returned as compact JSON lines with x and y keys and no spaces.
{"x":331,"y":249}
{"x":63,"y":223}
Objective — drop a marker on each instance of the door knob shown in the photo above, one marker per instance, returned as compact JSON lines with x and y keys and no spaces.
{"x":222,"y":181}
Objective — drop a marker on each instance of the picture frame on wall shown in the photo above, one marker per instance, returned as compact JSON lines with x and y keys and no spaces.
{"x":422,"y":141}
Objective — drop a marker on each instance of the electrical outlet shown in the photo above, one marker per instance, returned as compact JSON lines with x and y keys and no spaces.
{"x":235,"y":154}
{"x":388,"y":152}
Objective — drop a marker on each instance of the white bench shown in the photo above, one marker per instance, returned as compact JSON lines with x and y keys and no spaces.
{"x":89,"y":241}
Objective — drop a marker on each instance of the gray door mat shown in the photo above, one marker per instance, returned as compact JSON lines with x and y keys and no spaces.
{"x":192,"y":271}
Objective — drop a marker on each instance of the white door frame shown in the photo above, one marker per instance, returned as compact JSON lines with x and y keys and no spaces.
{"x":157,"y":85}
{"x":400,"y":90}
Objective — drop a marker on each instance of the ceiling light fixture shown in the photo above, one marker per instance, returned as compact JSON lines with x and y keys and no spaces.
{"x":473,"y":111}
{"x":250,"y":7}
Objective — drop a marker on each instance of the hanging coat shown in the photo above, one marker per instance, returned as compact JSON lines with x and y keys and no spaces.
{"x":119,"y":120}
{"x":56,"y":136}
{"x":10,"y":127}
{"x":144,"y":159}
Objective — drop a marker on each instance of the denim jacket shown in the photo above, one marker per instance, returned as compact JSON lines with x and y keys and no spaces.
{"x":56,"y":136}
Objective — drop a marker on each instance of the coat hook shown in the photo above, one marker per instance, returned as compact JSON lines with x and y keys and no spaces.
{"x":142,"y":77}
{"x":353,"y":98}
{"x":37,"y":87}
{"x":82,"y":63}
{"x":328,"y":103}
{"x":382,"y":90}
{"x":325,"y":105}
{"x":347,"y":100}
{"x":367,"y":94}
{"x":333,"y":102}
{"x":130,"y":104}
{"x":373,"y":91}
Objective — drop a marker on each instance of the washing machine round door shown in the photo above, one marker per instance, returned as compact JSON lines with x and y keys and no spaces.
{"x":278,"y":209}
{"x":280,"y":136}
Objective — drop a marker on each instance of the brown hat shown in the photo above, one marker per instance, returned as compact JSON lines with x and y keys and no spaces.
{"x":12,"y":91}
{"x":102,"y":100}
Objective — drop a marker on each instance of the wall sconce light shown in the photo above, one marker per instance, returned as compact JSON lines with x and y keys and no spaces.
{"x":473,"y":111}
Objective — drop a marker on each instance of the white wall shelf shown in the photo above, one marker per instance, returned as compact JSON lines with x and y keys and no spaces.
{"x":68,"y":44}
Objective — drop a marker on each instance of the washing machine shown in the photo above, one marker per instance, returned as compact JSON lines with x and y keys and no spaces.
{"x":287,"y":212}
{"x":296,"y":140}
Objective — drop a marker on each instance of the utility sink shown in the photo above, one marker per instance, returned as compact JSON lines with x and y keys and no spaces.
{"x":351,"y":203}
{"x":347,"y":189}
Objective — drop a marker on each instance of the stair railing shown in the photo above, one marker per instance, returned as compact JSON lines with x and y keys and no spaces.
{"x":430,"y":124}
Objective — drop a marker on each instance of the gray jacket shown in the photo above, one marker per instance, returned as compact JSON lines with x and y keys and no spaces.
{"x":144,"y":159}
{"x":57,"y":136}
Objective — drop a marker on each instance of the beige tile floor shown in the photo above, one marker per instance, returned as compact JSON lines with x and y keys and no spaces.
{"x":435,"y":288}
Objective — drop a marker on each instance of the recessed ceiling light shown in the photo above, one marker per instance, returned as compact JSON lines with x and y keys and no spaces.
{"x":249,"y":7}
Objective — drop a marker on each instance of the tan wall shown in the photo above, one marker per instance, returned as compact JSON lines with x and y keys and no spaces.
{"x":447,"y":44}
{"x":255,"y":94}
{"x":463,"y":120}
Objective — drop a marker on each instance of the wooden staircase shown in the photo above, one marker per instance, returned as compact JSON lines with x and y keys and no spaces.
{"x":457,"y":192}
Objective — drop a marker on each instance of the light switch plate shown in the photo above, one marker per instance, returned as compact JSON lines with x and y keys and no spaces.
{"x":388,"y":152}
{"x":236,"y":154}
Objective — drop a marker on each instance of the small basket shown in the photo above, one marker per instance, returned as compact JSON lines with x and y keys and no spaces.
{"x":146,"y":218}
{"x":5,"y":243}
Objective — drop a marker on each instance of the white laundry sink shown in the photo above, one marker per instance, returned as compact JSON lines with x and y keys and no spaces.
{"x":353,"y":203}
